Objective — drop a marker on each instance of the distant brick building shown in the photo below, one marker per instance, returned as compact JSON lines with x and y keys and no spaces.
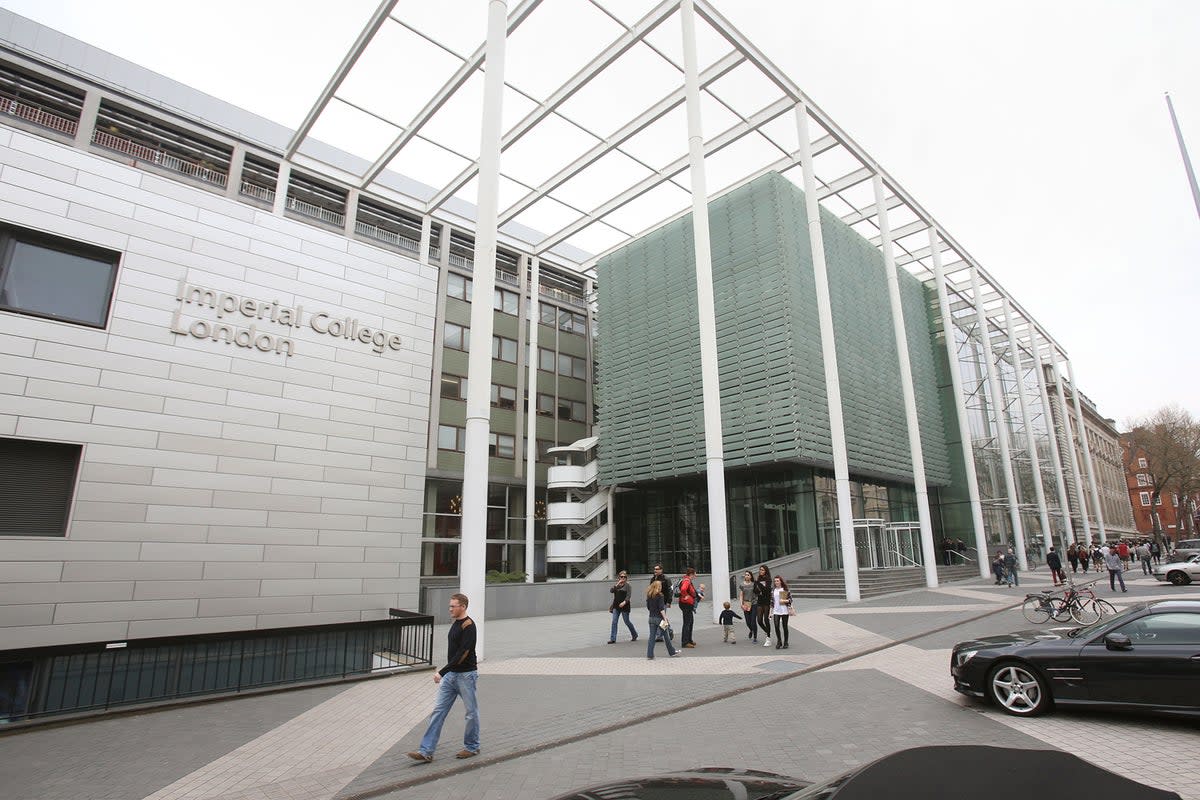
{"x":1172,"y":510}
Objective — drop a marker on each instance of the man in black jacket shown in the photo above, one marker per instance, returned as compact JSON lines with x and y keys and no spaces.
{"x":1055,"y":564}
{"x":456,"y":679}
{"x":666,"y":593}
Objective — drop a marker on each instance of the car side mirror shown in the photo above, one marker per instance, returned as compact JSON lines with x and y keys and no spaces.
{"x":1117,"y":641}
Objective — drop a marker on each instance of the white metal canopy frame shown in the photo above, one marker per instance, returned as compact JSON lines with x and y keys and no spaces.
{"x":597,"y":120}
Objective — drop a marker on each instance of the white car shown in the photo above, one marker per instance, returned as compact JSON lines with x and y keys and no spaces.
{"x":1179,"y":573}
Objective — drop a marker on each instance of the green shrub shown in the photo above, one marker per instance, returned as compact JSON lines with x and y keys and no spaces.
{"x":496,"y":576}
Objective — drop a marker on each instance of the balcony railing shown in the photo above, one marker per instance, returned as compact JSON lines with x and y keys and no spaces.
{"x":508,"y":277}
{"x":391,"y":237}
{"x":159,"y":158}
{"x":559,"y":294}
{"x":316,"y":212}
{"x":15,"y":108}
{"x":258,"y":192}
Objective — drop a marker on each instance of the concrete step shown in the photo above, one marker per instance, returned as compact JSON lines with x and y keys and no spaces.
{"x":875,"y":582}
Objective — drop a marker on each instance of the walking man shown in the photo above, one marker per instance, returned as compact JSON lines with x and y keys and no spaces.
{"x":456,"y":679}
{"x":1115,"y":569}
{"x":1055,"y":564}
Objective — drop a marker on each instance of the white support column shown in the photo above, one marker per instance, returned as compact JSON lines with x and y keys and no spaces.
{"x":1087,"y":454}
{"x":237,"y":164}
{"x":995,"y":393}
{"x":281,"y":187}
{"x":87,"y":119}
{"x":531,"y":416}
{"x":1035,"y":464}
{"x":1059,"y":483}
{"x":1065,"y":416}
{"x":350,"y":217}
{"x":714,"y":444}
{"x":833,"y":383}
{"x":960,"y":408}
{"x":426,"y":236}
{"x":906,"y":387}
{"x":473,"y":550}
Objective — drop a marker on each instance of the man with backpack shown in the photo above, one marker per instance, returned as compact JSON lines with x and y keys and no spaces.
{"x":689,"y":599}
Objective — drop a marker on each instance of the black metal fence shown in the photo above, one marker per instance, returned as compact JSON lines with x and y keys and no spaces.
{"x":44,"y":682}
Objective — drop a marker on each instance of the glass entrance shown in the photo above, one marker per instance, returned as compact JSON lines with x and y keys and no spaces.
{"x":877,"y":544}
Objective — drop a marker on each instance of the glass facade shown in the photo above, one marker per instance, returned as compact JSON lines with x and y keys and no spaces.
{"x":442,"y":528}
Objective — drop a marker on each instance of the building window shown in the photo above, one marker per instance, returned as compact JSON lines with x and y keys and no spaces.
{"x":1143,"y":479}
{"x":504,"y":349}
{"x":545,"y":359}
{"x":504,"y":396}
{"x":545,"y":405}
{"x":571,"y":366}
{"x":458,"y":287}
{"x":457,"y":337}
{"x":571,"y":410}
{"x":46,"y":276}
{"x":452,"y":438}
{"x":501,"y":445}
{"x":547,"y":314}
{"x":37,"y":482}
{"x":506,"y":301}
{"x":454,"y":387}
{"x":571,"y":322}
{"x":1142,"y":463}
{"x":1175,"y":500}
{"x":1145,"y":498}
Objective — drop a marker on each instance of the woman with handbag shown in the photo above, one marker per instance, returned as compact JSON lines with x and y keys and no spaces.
{"x":762,"y":597}
{"x":781,"y":607}
{"x":746,"y":595}
{"x":657,"y":608}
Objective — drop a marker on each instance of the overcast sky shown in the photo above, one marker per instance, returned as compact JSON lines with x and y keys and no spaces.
{"x":1035,"y":132}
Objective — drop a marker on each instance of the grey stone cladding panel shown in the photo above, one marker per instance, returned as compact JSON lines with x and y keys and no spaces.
{"x":221,"y":487}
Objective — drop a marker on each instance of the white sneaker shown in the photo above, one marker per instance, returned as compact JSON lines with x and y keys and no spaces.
{"x":767,"y":643}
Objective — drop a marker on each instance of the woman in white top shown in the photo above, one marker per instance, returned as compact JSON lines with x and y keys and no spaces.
{"x":781,"y":602}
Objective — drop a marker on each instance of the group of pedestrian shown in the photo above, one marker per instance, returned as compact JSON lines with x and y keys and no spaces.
{"x":952,"y":547}
{"x":1004,"y":568}
{"x":765,"y":599}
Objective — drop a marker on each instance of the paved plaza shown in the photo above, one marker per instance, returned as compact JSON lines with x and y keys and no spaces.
{"x":561,"y":709}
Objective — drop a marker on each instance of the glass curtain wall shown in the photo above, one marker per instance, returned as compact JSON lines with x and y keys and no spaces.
{"x":442,"y":529}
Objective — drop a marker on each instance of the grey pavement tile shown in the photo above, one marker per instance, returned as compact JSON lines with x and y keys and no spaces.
{"x":131,"y":756}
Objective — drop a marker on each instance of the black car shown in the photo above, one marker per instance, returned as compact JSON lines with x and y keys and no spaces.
{"x":1147,"y":658}
{"x":936,"y":772}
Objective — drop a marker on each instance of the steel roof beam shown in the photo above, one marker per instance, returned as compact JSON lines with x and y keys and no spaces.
{"x":597,"y":65}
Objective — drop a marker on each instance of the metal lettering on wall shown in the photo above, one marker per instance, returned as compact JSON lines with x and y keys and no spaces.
{"x":288,"y":317}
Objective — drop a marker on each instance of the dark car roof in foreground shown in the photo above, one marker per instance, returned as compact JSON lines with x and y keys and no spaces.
{"x":988,"y":773}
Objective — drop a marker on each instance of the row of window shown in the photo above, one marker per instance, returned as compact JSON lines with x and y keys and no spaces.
{"x":454,"y":387}
{"x":1144,"y":497}
{"x":458,"y":337}
{"x":509,"y":302}
{"x":500,"y":445}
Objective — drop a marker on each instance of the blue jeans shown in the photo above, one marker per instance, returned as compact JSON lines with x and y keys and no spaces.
{"x":453,"y":685}
{"x":621,"y":613}
{"x":1011,"y":577}
{"x":650,"y":640}
{"x":1115,"y":575}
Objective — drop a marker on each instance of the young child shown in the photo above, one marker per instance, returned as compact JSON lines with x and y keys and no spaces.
{"x":727,"y":618}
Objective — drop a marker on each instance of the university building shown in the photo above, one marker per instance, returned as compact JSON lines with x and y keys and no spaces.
{"x":236,"y":375}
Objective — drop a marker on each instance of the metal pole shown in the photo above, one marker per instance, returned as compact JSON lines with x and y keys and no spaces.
{"x":906,"y":387}
{"x":1059,"y":483}
{"x":714,"y":448}
{"x":960,"y":408}
{"x":1065,"y":416}
{"x":1035,"y":464}
{"x":1187,"y":162}
{"x":1087,"y":454}
{"x":473,"y":551}
{"x":994,"y":392}
{"x":535,"y":315}
{"x":833,"y":384}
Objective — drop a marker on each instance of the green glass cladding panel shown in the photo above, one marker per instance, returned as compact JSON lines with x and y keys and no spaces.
{"x":773,"y":397}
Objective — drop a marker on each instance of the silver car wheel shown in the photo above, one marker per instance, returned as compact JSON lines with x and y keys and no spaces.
{"x":1017,"y":690}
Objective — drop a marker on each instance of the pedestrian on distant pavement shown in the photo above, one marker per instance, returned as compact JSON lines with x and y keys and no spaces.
{"x":1123,"y":551}
{"x":689,"y":599}
{"x":781,"y":604}
{"x":727,"y":618}
{"x":619,"y":607}
{"x":457,"y":679}
{"x":664,"y":583}
{"x":1155,"y":551}
{"x":749,"y":603}
{"x":1115,"y":569}
{"x":1055,"y":565}
{"x":657,"y":607}
{"x":998,"y":567}
{"x":1010,"y":568}
{"x":1073,"y":558}
{"x":1143,"y":554}
{"x":762,"y":597}
{"x":1097,"y":558}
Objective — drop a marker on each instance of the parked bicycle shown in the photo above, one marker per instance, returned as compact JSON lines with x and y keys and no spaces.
{"x":1078,"y":603}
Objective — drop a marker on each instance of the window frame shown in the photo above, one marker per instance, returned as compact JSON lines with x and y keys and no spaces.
{"x":10,"y":235}
{"x":460,"y":439}
{"x":497,"y":396}
{"x":464,"y":336}
{"x":496,"y":446}
{"x":1144,"y":497}
{"x":498,"y":343}
{"x":466,"y":290}
{"x":502,"y":298}
{"x":460,"y":383}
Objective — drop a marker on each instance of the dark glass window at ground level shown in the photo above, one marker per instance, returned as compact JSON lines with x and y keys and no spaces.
{"x":51,"y":277}
{"x":37,"y":481}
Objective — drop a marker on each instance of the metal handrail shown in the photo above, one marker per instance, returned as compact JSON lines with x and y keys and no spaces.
{"x":966,"y":559}
{"x":258,"y":192}
{"x":38,"y":116}
{"x":316,"y":212}
{"x":391,"y":237}
{"x":159,"y":158}
{"x":903,"y":557}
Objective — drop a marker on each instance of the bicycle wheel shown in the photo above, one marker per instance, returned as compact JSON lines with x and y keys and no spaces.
{"x":1083,"y":611}
{"x":1104,"y":608}
{"x":1060,"y":609}
{"x":1036,"y":609}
